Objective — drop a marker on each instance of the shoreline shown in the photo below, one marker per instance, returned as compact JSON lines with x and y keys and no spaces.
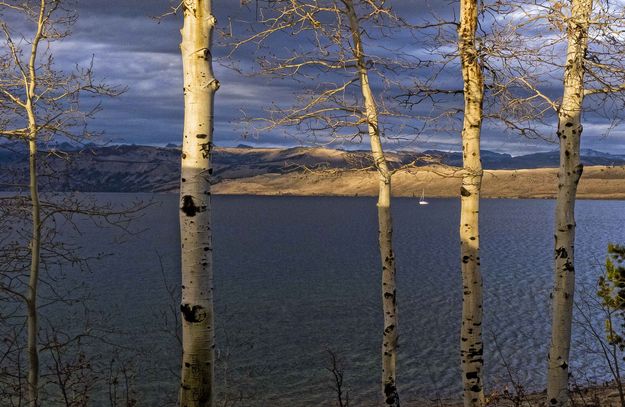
{"x":593,"y":395}
{"x":597,"y":183}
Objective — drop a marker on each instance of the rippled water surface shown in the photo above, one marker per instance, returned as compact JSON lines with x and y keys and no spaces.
{"x":297,"y":276}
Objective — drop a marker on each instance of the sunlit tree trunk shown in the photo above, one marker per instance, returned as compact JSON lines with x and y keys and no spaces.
{"x":569,"y":132}
{"x":385,"y":223}
{"x":471,"y":346}
{"x":35,"y":242}
{"x":200,"y":85}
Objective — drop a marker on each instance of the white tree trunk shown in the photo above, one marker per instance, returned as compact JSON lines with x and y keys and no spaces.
{"x":200,"y":85}
{"x":569,"y":132}
{"x":385,"y":222}
{"x":471,"y":346}
{"x":35,"y":243}
{"x":389,"y":301}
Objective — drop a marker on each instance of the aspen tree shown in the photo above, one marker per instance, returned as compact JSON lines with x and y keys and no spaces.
{"x":42,"y":15}
{"x":35,"y":243}
{"x":39,"y":103}
{"x":505,"y":107}
{"x":333,"y":107}
{"x":471,"y":346}
{"x":200,"y":85}
{"x":521,"y":47}
{"x":569,"y":173}
{"x":592,"y":66}
{"x":385,"y":222}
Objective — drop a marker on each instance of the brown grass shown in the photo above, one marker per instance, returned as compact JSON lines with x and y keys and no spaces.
{"x":597,"y":183}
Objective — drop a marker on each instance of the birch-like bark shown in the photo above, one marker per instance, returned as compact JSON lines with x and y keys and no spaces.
{"x":569,"y":132}
{"x":471,"y":346}
{"x":385,"y":222}
{"x":35,"y":243}
{"x":200,"y":85}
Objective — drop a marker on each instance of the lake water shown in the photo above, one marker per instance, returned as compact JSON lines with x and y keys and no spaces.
{"x":295,"y":276}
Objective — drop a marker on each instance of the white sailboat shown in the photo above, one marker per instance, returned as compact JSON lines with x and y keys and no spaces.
{"x":422,"y":201}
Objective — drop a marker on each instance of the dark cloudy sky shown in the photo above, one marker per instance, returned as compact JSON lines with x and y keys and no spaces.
{"x":133,"y":50}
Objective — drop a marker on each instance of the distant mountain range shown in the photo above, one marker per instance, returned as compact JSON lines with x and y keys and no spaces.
{"x":134,"y":168}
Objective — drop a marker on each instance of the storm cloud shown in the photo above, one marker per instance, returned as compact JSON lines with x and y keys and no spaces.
{"x":132,"y":48}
